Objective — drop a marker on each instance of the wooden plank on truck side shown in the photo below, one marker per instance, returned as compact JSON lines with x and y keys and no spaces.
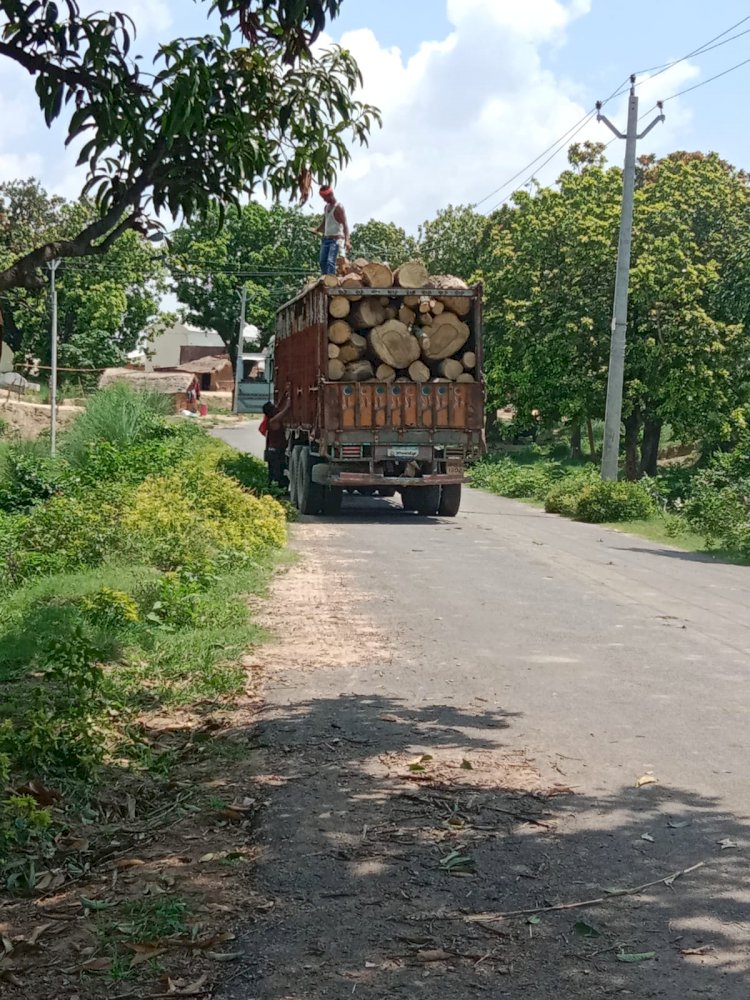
{"x":457,"y":405}
{"x":441,"y":404}
{"x":365,"y":392}
{"x":410,"y":390}
{"x":348,"y":407}
{"x":380,"y":415}
{"x":426,"y":405}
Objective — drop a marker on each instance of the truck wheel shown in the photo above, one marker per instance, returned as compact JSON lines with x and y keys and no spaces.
{"x":332,"y":501}
{"x":292,"y":473}
{"x":309,"y":494}
{"x":450,"y":500}
{"x":408,"y":501}
{"x":426,"y":500}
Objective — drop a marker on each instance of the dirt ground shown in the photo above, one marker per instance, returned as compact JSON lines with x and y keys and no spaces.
{"x":334,"y":839}
{"x":28,"y":420}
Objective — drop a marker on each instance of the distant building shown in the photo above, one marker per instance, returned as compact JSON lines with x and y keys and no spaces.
{"x":214,"y":371}
{"x":180,"y":344}
{"x":174,"y":384}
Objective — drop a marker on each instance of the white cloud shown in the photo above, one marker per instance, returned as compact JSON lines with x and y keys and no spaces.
{"x":149,"y":16}
{"x":464,"y":113}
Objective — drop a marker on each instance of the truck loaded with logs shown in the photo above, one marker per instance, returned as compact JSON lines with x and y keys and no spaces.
{"x":387,"y":395}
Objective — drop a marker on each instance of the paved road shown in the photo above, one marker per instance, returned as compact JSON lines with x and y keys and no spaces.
{"x":534,"y":646}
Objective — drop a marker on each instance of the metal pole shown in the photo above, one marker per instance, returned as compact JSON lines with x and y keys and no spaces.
{"x":616,"y":376}
{"x":240,"y":349}
{"x":53,"y":265}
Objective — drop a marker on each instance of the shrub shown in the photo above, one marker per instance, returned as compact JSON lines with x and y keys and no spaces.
{"x":719,"y":503}
{"x":510,"y":479}
{"x":198,"y":519}
{"x":118,"y":415}
{"x":600,"y":501}
{"x":28,"y":475}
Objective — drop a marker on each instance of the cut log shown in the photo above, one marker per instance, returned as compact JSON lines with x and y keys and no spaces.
{"x":459,"y":306}
{"x":336,"y":369}
{"x":384,"y":301}
{"x":466,"y":377}
{"x":412,"y":301}
{"x":391,"y":312}
{"x":348,"y":352}
{"x":426,"y":319}
{"x":333,"y":351}
{"x":358,"y":371}
{"x":436,"y":307}
{"x":359,"y":341}
{"x":330,"y":280}
{"x":469,"y":360}
{"x":406,"y":315}
{"x":424,"y":304}
{"x":419,"y":372}
{"x":339,"y":332}
{"x":377,"y":275}
{"x":352,"y":280}
{"x":412,"y":274}
{"x":450,"y":368}
{"x":339,"y":306}
{"x":384,"y":373}
{"x":394,"y":344}
{"x":447,"y":336}
{"x":359,"y":264}
{"x":368,"y":313}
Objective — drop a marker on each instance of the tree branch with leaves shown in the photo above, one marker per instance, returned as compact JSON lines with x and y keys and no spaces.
{"x":251,"y":106}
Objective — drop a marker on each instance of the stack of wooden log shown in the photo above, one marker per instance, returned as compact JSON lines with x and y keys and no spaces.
{"x":387,"y":338}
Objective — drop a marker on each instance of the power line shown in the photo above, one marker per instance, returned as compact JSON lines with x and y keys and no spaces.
{"x":697,"y":86}
{"x":706,"y":47}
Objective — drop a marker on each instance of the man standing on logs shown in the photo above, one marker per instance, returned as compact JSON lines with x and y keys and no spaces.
{"x":334,"y":229}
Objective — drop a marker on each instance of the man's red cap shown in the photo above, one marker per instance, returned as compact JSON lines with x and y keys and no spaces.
{"x":326,"y":189}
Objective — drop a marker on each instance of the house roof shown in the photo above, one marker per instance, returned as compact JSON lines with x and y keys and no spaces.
{"x":170,"y":383}
{"x":211,"y":363}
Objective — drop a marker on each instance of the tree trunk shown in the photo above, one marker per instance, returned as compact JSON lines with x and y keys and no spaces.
{"x":632,"y":428}
{"x":419,"y":372}
{"x":377,"y":275}
{"x":339,"y":306}
{"x":412,"y":274}
{"x":358,"y":371}
{"x":450,"y":368}
{"x":339,"y":332}
{"x":650,"y":446}
{"x":592,"y":443}
{"x":447,"y":336}
{"x":576,"y":452}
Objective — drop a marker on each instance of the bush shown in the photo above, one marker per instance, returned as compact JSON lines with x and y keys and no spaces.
{"x":200,"y":520}
{"x":118,"y":415}
{"x":719,"y":503}
{"x":510,"y":479}
{"x":28,"y":476}
{"x":599,"y":501}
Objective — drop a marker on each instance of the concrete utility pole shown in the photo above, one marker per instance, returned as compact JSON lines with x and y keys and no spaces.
{"x":616,"y":376}
{"x":53,"y":266}
{"x":240,"y":350}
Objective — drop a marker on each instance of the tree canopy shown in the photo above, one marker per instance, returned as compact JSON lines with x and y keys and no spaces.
{"x":247,"y":106}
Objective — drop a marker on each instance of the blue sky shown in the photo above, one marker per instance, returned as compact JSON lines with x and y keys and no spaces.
{"x":471,"y":90}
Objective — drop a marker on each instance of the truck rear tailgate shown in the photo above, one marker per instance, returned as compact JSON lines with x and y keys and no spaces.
{"x":393,"y":408}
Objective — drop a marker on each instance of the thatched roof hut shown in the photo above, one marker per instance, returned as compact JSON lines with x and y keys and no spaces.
{"x":214,"y":371}
{"x":174,"y":383}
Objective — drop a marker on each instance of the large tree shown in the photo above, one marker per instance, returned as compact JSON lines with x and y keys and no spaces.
{"x":550,"y":297}
{"x":248,"y":105}
{"x":456,"y":241}
{"x":269,"y":251}
{"x":382,"y":241}
{"x":103,"y":303}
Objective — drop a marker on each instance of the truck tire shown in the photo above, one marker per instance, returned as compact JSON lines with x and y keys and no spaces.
{"x":408,"y":501}
{"x":310,"y":495}
{"x":426,"y":500}
{"x":332,"y":501}
{"x":450,"y":500}
{"x":292,"y":473}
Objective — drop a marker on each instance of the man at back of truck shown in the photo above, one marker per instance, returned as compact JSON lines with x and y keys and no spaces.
{"x":334,"y":229}
{"x":272,"y":427}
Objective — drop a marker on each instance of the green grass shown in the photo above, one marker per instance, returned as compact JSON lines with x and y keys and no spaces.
{"x":655,"y":530}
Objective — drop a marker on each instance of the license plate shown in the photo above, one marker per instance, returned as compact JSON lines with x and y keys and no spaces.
{"x":454,"y":469}
{"x":403,"y":451}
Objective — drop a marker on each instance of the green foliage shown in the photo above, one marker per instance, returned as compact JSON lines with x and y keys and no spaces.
{"x":456,"y":241}
{"x":198,"y":519}
{"x":382,"y":241}
{"x":117,"y":415}
{"x":28,"y":475}
{"x":719,"y":502}
{"x":110,"y":610}
{"x":102,"y":304}
{"x":24,"y":827}
{"x":510,"y":479}
{"x":599,"y":501}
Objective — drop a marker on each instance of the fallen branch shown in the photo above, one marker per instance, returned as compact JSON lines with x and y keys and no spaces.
{"x":634,"y":891}
{"x":482,"y":918}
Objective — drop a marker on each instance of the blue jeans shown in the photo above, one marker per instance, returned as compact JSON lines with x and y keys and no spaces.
{"x":329,"y":252}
